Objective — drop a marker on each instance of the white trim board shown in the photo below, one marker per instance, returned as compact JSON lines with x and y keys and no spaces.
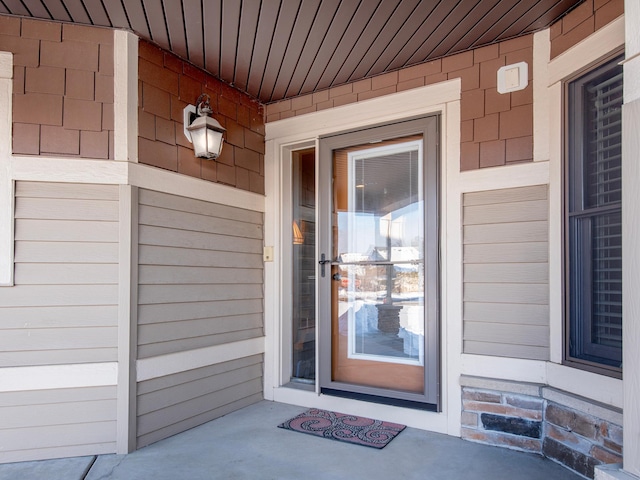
{"x":87,"y":170}
{"x":6,"y":180}
{"x":152,"y":178}
{"x":604,"y":41}
{"x":589,"y":385}
{"x":503,"y":368}
{"x":163,"y":365}
{"x":47,"y":377}
{"x":125,"y":96}
{"x":396,"y":106}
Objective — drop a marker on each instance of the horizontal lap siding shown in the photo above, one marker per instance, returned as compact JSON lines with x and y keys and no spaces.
{"x":200,"y":274}
{"x":56,"y":423}
{"x":175,"y":403}
{"x":506,"y":272}
{"x":200,"y":284}
{"x":63,"y":307}
{"x":62,"y":310}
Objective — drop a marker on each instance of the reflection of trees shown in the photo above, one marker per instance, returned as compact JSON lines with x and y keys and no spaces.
{"x":374,"y":280}
{"x":406,"y":282}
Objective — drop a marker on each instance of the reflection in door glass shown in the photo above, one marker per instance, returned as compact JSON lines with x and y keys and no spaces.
{"x":380,"y":251}
{"x":304,"y":281}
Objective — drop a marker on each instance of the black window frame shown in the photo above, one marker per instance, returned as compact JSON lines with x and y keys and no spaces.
{"x":580,"y":219}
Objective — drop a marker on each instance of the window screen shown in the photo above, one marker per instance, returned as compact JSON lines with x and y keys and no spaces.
{"x":594,"y":220}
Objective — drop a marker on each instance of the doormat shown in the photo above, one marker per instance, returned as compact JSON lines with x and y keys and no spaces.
{"x":344,"y":428}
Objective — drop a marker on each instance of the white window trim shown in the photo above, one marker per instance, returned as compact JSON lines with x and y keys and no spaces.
{"x":586,"y":384}
{"x":547,"y":169}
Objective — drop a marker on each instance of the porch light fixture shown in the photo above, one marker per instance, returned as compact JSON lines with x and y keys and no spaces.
{"x":202,"y":130}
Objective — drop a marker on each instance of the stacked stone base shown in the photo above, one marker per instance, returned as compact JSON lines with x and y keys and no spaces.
{"x":574,"y":431}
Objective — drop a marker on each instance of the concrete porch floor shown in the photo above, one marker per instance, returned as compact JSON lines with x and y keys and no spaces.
{"x":247,"y":445}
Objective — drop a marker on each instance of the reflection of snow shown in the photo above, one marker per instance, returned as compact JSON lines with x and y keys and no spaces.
{"x":362,"y":318}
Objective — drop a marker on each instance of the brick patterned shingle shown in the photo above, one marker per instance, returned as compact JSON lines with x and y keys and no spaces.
{"x":63,"y":87}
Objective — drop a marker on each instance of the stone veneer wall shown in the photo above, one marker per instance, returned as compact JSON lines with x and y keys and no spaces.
{"x":62,"y":87}
{"x":576,"y":432}
{"x":496,"y":129}
{"x":166,"y":85}
{"x":582,"y":22}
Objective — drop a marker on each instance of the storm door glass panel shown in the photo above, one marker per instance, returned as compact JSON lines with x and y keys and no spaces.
{"x":303,"y":232}
{"x":378,"y":269}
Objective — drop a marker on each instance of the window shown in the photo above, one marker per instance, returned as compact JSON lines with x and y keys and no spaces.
{"x":593,"y":220}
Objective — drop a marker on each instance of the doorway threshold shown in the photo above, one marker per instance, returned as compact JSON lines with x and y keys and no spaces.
{"x":394,"y":402}
{"x":307,"y":387}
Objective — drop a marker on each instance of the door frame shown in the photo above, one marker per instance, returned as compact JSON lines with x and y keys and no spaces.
{"x":285,"y":136}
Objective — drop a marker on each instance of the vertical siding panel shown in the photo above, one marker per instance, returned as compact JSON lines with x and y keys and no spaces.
{"x":506,"y":270}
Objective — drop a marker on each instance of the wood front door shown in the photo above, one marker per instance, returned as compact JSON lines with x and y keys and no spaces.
{"x":378,"y":278}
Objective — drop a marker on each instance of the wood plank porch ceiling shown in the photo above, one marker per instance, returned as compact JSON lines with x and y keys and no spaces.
{"x":275,"y":49}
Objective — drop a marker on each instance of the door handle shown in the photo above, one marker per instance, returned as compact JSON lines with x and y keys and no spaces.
{"x":323,"y":261}
{"x":337,"y":277}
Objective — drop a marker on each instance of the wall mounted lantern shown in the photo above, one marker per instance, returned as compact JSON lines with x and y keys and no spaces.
{"x":202,"y":130}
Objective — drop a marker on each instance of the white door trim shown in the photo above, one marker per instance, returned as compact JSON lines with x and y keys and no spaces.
{"x":282,"y":137}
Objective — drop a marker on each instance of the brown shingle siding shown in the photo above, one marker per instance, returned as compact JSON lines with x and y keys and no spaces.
{"x":61,"y":104}
{"x":608,"y":11}
{"x":156,"y":101}
{"x":103,"y":88}
{"x":59,"y":140}
{"x":469,"y":156}
{"x":68,"y":54}
{"x":470,"y":77}
{"x":18,"y":79}
{"x":94,"y":144}
{"x":457,"y":62}
{"x":26,"y":139}
{"x":483,"y":54}
{"x":492,"y":154}
{"x":37,"y":108}
{"x":486,"y":128}
{"x":168,"y":84}
{"x":582,"y":22}
{"x":83,"y":33}
{"x":188,"y":164}
{"x":26,"y":51}
{"x":44,"y":80}
{"x":485,"y":113}
{"x":10,"y":25}
{"x":519,"y":149}
{"x":80,"y":84}
{"x":158,"y":76}
{"x":578,"y":15}
{"x":158,"y":154}
{"x":517,"y":122}
{"x":41,"y":30}
{"x":105,"y":60}
{"x":82,"y":115}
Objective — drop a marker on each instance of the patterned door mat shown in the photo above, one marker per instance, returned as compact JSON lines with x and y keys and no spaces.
{"x":344,"y":428}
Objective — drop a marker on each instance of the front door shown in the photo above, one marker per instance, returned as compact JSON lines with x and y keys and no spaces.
{"x":378,"y":275}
